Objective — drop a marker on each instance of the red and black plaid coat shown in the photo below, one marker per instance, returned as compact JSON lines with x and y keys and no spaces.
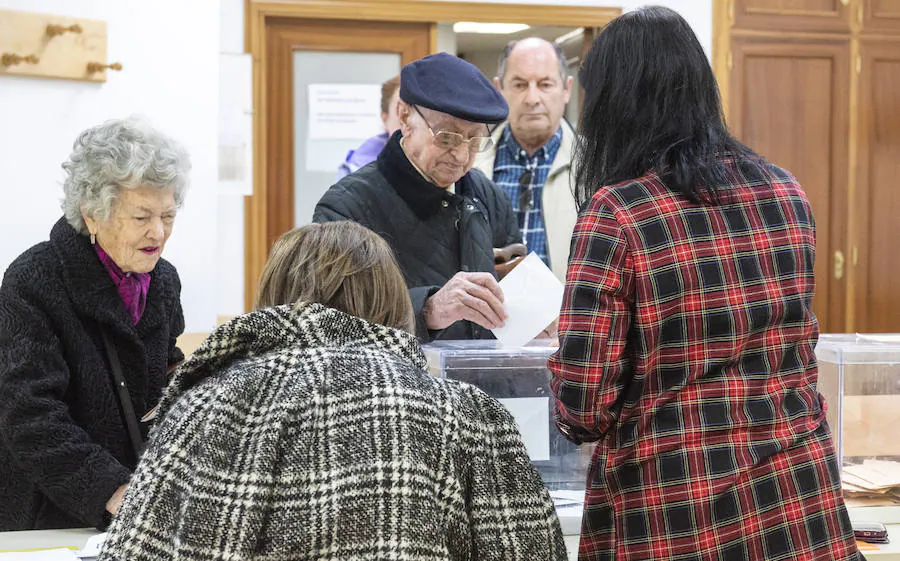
{"x":686,"y":350}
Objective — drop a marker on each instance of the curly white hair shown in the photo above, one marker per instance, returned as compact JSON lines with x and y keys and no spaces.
{"x":120,"y":154}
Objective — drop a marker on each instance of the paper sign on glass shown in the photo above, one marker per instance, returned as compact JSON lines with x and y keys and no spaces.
{"x":532,"y":296}
{"x":344,"y":111}
{"x":532,"y":415}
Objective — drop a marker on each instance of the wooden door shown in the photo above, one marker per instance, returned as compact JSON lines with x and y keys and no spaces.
{"x":806,"y":15}
{"x":270,"y":211}
{"x":789,"y":101}
{"x":877,"y":235}
{"x":881,"y":16}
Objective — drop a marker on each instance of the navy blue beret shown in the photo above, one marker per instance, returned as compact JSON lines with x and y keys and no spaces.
{"x":449,"y":84}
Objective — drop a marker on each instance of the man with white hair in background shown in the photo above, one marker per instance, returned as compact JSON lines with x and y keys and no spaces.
{"x":531,"y":157}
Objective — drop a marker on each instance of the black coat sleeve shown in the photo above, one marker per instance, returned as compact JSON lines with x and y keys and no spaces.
{"x":504,"y":226}
{"x":419,"y":295}
{"x":75,"y":473}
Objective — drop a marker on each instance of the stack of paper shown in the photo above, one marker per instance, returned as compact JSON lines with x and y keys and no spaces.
{"x":873,"y":482}
{"x":567,"y":498}
{"x":40,"y":555}
{"x":90,"y":551}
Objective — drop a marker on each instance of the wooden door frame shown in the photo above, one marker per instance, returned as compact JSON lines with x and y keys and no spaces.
{"x":837,"y":48}
{"x":861,"y":203}
{"x":724,"y":31}
{"x":258,"y":219}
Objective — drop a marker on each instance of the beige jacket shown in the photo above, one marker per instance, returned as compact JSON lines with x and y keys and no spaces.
{"x":557,"y":200}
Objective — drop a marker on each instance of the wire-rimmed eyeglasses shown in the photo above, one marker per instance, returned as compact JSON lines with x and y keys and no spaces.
{"x":450,"y":140}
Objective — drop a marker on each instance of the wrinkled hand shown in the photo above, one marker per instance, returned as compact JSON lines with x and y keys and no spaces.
{"x":115,"y":502}
{"x":471,"y":296}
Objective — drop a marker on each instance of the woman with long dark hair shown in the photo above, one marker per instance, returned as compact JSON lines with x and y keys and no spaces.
{"x":686,"y":334}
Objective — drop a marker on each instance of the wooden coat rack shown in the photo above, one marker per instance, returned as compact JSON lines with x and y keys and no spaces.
{"x":48,"y":46}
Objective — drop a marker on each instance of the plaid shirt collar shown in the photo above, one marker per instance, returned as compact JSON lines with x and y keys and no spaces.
{"x":545,"y":153}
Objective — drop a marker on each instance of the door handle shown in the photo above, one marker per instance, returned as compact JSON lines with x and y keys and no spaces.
{"x":838,"y":265}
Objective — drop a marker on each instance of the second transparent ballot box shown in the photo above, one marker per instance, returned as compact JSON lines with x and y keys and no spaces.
{"x":859,"y":376}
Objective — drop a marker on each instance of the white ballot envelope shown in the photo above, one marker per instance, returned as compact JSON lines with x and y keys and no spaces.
{"x":532,"y":296}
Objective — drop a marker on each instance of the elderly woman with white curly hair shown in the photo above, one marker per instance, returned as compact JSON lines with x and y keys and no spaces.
{"x":88,"y":323}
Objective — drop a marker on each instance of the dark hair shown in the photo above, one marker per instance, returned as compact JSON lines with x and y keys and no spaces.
{"x":652,"y":103}
{"x":388,"y":89}
{"x":508,"y":49}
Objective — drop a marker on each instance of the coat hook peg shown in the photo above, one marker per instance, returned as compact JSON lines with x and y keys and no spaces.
{"x":94,"y":67}
{"x":13,"y":59}
{"x":55,"y":29}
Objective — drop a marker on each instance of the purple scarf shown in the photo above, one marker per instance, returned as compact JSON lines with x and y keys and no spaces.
{"x":132,"y":287}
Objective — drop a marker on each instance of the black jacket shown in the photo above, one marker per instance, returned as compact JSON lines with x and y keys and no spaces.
{"x":434,"y":233}
{"x":64,"y":449}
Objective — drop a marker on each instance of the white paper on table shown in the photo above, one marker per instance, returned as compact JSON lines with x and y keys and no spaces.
{"x":532,"y":415}
{"x":532,"y":296}
{"x":93,"y":546}
{"x":344,"y":111}
{"x":44,"y":555}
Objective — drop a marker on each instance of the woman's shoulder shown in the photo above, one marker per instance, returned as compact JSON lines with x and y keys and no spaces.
{"x":37,"y":265}
{"x":478,"y":410}
{"x":165,"y":268}
{"x":35,"y":277}
{"x":632,"y":192}
{"x":626,"y":201}
{"x":166,"y":272}
{"x":473,"y":409}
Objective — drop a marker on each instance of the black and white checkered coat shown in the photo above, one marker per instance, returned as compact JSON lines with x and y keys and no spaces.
{"x":306,"y":433}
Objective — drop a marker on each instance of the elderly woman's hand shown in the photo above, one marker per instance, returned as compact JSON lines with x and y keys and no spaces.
{"x":115,"y":502}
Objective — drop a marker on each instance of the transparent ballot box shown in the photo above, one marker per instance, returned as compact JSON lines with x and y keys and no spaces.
{"x":859,"y":376}
{"x":520,"y":380}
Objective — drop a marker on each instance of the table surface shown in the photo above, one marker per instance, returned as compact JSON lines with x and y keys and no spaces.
{"x":569,"y":517}
{"x":45,"y":539}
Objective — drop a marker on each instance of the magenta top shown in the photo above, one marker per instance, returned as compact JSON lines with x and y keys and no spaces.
{"x":132,"y":286}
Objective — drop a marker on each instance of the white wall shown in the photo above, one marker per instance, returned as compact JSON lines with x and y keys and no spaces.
{"x":486,"y":61}
{"x":169,"y":50}
{"x":230,"y":238}
{"x":446,"y":38}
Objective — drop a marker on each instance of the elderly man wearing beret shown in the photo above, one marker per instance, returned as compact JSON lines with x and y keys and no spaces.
{"x":441,"y":217}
